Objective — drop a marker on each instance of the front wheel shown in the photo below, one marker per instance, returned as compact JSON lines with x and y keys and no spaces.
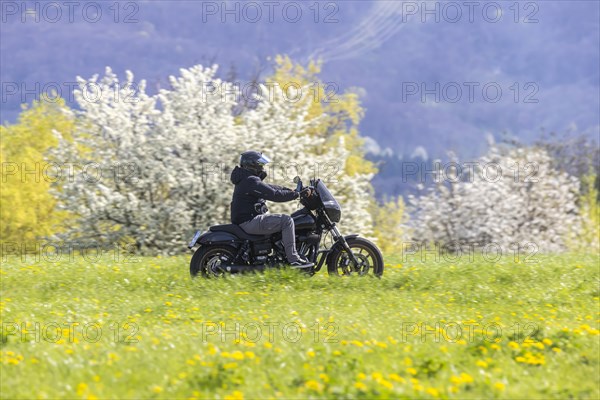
{"x":367,"y":255}
{"x":210,"y":261}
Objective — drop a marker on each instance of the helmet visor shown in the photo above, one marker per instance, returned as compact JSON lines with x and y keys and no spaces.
{"x":263,"y":160}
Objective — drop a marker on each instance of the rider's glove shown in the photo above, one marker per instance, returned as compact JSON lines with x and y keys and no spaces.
{"x":306,"y":192}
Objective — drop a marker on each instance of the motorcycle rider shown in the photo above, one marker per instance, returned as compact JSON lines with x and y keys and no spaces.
{"x":248,"y":208}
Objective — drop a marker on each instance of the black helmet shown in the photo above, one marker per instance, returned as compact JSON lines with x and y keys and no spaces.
{"x":254,"y":162}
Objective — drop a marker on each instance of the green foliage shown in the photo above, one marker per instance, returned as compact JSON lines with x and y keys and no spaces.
{"x":340,"y":112}
{"x":387,"y":220}
{"x":28,"y":208}
{"x":154,"y":333}
{"x":340,"y":115}
{"x":587,"y":238}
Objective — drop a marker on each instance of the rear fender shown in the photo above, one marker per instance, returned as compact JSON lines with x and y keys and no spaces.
{"x":210,"y":238}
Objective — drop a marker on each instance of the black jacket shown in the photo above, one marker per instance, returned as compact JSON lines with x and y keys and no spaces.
{"x":250,"y":194}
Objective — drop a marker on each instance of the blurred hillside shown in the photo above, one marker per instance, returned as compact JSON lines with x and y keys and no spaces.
{"x":545,"y":64}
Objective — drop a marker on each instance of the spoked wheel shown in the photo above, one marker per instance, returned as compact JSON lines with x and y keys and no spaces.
{"x":210,"y":261}
{"x":368,"y":257}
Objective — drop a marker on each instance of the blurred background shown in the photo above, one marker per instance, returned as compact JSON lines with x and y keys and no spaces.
{"x":433,"y":80}
{"x":377,"y":48}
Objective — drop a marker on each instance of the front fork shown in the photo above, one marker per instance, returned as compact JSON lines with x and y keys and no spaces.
{"x":337,"y":236}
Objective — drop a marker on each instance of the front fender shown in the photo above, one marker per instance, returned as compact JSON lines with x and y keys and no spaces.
{"x":336,"y":245}
{"x":210,"y":237}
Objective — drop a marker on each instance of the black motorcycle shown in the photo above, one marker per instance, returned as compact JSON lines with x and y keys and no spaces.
{"x":226,"y":249}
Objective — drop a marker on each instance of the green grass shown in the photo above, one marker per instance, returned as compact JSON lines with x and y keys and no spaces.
{"x":528,"y":331}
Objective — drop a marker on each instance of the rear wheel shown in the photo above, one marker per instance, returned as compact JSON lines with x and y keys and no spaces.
{"x":210,"y":261}
{"x":368,"y":257}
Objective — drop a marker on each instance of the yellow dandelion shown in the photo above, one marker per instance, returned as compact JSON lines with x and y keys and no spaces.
{"x":433,"y":392}
{"x":466,"y":378}
{"x":377,"y":376}
{"x":386,"y":384}
{"x":481,"y":363}
{"x":360,"y":386}
{"x":411,"y":371}
{"x":157,"y":389}
{"x":499,"y":386}
{"x":313,"y":385}
{"x":310,"y":353}
{"x":81,"y":389}
{"x":230,"y":365}
{"x":236,"y":395}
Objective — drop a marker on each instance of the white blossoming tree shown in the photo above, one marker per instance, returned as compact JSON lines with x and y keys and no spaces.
{"x":165,"y":159}
{"x":511,"y":197}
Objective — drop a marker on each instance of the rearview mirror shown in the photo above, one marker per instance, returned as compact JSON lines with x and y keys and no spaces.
{"x":296,"y":179}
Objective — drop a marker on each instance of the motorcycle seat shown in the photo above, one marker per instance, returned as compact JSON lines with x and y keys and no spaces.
{"x":237,"y":231}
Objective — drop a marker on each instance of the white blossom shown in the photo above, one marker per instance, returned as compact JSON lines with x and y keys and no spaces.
{"x":166,"y":158}
{"x":513,"y":197}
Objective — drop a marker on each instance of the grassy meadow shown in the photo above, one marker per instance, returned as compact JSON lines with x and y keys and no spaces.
{"x":141,"y":328}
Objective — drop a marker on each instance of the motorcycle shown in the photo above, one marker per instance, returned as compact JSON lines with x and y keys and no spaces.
{"x":227,"y":249}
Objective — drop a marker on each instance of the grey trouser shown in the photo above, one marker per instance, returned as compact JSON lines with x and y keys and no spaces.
{"x":267,"y":224}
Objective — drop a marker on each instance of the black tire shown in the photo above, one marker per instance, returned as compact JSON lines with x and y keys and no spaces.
{"x":369,"y":257}
{"x":206,"y":260}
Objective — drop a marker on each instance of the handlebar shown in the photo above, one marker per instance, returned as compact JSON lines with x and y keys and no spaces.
{"x":302,"y":190}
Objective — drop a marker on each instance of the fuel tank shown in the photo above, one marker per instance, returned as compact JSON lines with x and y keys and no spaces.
{"x":303,"y":220}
